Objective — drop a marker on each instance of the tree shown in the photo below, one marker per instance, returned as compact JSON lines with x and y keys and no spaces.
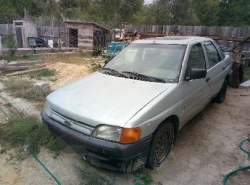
{"x":234,"y":13}
{"x":207,"y":11}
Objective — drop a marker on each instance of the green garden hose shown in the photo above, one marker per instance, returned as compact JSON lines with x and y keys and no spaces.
{"x":4,"y":113}
{"x":240,"y":169}
{"x":44,"y":167}
{"x":34,"y":155}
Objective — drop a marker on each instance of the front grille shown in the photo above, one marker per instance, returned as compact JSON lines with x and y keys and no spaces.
{"x":73,"y":124}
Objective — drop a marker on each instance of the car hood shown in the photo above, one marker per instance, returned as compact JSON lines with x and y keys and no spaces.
{"x":104,"y":99}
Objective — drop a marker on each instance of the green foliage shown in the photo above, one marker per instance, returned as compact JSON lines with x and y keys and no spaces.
{"x":29,"y":130}
{"x":7,"y":13}
{"x":145,"y":177}
{"x":29,"y":57}
{"x":234,"y":12}
{"x":112,"y":13}
{"x":43,"y":73}
{"x":11,"y":45}
{"x":97,"y":51}
{"x":207,"y":11}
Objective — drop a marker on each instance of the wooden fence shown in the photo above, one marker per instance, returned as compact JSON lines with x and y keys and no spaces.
{"x":5,"y":30}
{"x":228,"y":36}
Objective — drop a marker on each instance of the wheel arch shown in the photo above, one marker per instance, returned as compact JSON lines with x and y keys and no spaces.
{"x":174,"y":120}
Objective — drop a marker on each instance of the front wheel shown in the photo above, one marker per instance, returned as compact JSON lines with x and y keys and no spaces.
{"x":222,"y":93}
{"x":161,"y":145}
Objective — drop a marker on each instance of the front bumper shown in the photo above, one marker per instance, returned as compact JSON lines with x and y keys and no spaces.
{"x":104,"y":154}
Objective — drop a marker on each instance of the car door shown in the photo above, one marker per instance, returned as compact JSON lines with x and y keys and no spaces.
{"x":195,"y":92}
{"x":215,"y":75}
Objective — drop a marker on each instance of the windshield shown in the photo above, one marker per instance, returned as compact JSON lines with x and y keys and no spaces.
{"x":154,"y":60}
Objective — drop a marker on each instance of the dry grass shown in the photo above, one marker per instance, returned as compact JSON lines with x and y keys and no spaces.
{"x":78,"y":59}
{"x":22,"y":88}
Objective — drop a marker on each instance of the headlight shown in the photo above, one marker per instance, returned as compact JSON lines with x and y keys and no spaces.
{"x":117,"y":134}
{"x":47,"y":109}
{"x":109,"y":133}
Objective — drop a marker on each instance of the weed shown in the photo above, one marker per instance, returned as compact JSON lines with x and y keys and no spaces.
{"x":91,"y":178}
{"x":43,"y":73}
{"x":29,"y":57}
{"x":53,"y":79}
{"x":28,"y":130}
{"x":97,"y":51}
{"x":247,"y":74}
{"x":95,"y":66}
{"x":11,"y":45}
{"x":21,"y":88}
{"x":145,"y":177}
{"x":87,"y":54}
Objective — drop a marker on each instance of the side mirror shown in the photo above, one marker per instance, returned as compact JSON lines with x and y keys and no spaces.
{"x":195,"y":73}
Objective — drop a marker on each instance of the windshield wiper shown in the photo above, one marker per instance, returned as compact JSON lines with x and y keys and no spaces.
{"x":142,"y":77}
{"x":112,"y":72}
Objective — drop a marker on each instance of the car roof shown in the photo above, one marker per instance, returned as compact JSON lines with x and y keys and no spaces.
{"x":182,"y":40}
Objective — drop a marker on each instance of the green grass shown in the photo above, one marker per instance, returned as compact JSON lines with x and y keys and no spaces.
{"x":24,"y":57}
{"x":145,"y":177}
{"x":87,"y":54}
{"x":27,"y":130}
{"x":42,"y":73}
{"x":29,"y":57}
{"x":21,"y":88}
{"x":247,"y":74}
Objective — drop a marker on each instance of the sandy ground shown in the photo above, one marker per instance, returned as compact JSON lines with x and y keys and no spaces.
{"x":205,"y":149}
{"x":66,"y":73}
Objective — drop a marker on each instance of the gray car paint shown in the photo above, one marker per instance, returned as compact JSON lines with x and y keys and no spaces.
{"x":103,"y":99}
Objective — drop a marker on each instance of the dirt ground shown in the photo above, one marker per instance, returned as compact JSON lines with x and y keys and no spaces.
{"x":205,"y":150}
{"x":67,"y":73}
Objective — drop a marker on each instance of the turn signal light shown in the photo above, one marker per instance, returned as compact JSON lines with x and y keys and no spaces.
{"x":130,"y":135}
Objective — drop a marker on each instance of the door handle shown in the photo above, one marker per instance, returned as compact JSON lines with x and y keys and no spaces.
{"x":224,"y":68}
{"x":207,"y":79}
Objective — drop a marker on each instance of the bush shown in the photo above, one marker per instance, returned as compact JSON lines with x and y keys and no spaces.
{"x":97,"y":51}
{"x":11,"y":45}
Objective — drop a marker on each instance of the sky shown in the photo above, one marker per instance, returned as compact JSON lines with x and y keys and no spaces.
{"x":148,"y":1}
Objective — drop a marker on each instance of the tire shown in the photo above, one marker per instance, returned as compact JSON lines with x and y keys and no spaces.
{"x":222,"y":93}
{"x":161,"y":145}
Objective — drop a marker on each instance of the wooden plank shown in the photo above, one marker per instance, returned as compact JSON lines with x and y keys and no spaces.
{"x":22,"y":63}
{"x":25,"y":72}
{"x":12,"y":68}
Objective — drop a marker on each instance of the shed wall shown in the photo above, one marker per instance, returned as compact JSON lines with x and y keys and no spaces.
{"x":85,"y":34}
